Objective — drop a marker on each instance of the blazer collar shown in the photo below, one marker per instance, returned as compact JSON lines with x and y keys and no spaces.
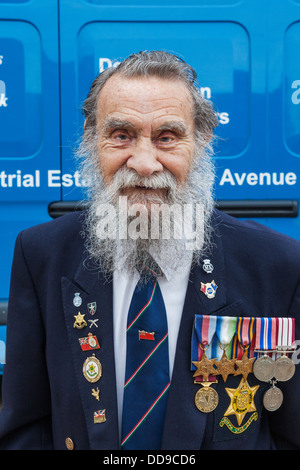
{"x":93,"y":287}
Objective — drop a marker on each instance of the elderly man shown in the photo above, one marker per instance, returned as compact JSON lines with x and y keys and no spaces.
{"x":151,"y":320}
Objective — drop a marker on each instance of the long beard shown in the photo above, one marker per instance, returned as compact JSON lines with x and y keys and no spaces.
{"x":124,"y":234}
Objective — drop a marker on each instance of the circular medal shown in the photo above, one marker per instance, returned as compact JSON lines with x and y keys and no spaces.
{"x":206,"y":399}
{"x":263,"y":368}
{"x":92,"y":369}
{"x":284,"y":368}
{"x":273,"y":399}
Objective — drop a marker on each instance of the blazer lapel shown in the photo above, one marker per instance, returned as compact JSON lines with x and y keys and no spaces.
{"x":91,"y":287}
{"x":185,"y":425}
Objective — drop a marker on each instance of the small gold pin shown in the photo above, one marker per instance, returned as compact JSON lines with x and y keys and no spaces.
{"x":96,"y":393}
{"x":79,"y":321}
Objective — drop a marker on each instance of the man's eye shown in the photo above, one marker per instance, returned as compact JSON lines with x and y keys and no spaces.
{"x":166,"y":138}
{"x":120,"y":136}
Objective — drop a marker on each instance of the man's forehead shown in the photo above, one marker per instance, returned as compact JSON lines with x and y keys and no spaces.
{"x":122,"y":96}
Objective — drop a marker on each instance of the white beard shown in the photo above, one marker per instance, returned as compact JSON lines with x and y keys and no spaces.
{"x":115,"y":252}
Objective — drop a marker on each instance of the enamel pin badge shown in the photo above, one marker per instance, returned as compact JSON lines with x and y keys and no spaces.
{"x":209,"y":289}
{"x":89,"y":342}
{"x":77,"y":301}
{"x":92,"y":307}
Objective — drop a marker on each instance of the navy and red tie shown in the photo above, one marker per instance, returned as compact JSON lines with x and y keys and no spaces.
{"x":147,"y":378}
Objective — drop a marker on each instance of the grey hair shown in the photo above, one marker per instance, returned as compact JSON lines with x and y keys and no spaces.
{"x":159,"y":64}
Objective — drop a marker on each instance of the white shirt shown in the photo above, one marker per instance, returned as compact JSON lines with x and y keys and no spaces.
{"x":173,"y":287}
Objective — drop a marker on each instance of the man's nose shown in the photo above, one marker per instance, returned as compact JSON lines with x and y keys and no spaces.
{"x":143,"y":158}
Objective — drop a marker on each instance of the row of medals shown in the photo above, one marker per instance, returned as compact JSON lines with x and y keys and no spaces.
{"x":264,"y":368}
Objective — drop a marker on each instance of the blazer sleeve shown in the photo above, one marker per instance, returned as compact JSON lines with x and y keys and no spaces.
{"x":25,"y":413}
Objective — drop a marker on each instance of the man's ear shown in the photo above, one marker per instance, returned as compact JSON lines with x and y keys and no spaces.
{"x":84,"y":123}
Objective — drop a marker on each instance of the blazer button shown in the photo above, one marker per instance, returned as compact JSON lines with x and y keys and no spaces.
{"x":69,"y":443}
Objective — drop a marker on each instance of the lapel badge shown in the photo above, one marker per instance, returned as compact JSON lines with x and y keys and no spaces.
{"x":79,"y":321}
{"x":207,"y":266}
{"x":92,"y":369}
{"x":209,"y":289}
{"x":96,"y":393}
{"x":92,"y":307}
{"x":77,"y":301}
{"x":93,"y":322}
{"x":89,"y":342}
{"x":99,"y":416}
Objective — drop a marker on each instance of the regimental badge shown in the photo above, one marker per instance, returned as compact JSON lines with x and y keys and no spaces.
{"x":92,"y":307}
{"x":89,"y":342}
{"x":79,"y":321}
{"x":92,"y":369}
{"x":242,"y":400}
{"x":99,"y":416}
{"x":207,"y":266}
{"x":209,"y":289}
{"x":77,"y":301}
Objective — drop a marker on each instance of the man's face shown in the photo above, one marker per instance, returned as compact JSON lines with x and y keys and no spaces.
{"x":145,"y":125}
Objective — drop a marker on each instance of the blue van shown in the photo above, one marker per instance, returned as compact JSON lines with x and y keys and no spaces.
{"x":245,"y":52}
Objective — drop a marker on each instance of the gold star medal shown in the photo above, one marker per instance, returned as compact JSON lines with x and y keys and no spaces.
{"x":245,"y":365}
{"x":225,"y":366}
{"x":205,"y":367}
{"x":242,"y":400}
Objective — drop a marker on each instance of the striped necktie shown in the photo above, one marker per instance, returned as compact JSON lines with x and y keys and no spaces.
{"x":147,"y":379}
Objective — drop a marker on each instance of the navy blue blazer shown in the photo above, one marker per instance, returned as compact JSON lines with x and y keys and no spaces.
{"x":46,"y":397}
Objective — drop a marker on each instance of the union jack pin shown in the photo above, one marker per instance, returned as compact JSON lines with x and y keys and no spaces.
{"x":99,"y":416}
{"x":89,"y":342}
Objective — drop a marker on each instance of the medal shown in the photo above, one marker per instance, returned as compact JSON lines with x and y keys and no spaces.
{"x":203,"y":332}
{"x":264,"y":366}
{"x":245,"y":331}
{"x":206,"y":399}
{"x":225,"y":330}
{"x":92,"y":369}
{"x":273,"y":398}
{"x":284,"y":366}
{"x":241,"y":400}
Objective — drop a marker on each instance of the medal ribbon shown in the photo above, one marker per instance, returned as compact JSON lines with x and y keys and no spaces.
{"x":245,"y":329}
{"x":286,"y":333}
{"x":225,"y":330}
{"x":203,"y":332}
{"x":266,"y":334}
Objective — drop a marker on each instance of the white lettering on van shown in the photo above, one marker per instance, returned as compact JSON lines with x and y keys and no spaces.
{"x":261,"y":179}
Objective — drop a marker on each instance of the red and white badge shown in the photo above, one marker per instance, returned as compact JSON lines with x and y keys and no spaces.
{"x":89,"y":342}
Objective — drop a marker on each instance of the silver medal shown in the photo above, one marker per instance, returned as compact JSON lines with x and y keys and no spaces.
{"x":263,"y":368}
{"x":273,"y":398}
{"x":284,"y":368}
